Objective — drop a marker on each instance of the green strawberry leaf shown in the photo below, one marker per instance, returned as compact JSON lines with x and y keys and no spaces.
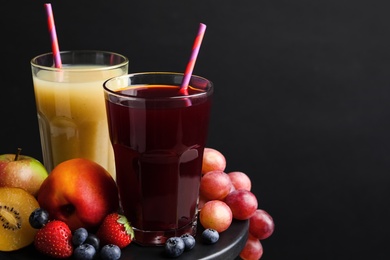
{"x":129,"y":230}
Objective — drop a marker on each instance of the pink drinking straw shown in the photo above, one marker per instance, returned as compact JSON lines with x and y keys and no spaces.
{"x":53,"y":36}
{"x":191,"y":62}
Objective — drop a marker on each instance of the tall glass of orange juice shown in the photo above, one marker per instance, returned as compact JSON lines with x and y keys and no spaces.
{"x":70,"y":105}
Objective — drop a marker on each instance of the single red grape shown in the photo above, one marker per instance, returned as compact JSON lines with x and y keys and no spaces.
{"x":215,"y":185}
{"x":213,"y":160}
{"x":216,"y":214}
{"x":240,"y":180}
{"x":261,"y":224}
{"x":253,"y":249}
{"x":243,"y":203}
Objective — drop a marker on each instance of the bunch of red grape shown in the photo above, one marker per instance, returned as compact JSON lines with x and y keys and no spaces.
{"x":227,"y":196}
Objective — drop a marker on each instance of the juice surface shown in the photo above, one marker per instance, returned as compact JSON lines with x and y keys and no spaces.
{"x":158,"y":151}
{"x":72,"y":113}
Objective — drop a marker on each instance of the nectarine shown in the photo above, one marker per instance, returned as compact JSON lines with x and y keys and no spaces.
{"x":79,"y":192}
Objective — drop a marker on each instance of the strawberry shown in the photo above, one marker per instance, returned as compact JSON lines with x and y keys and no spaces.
{"x":115,"y":229}
{"x":54,"y":239}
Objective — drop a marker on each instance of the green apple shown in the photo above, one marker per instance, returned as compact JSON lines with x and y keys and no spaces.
{"x":22,"y":171}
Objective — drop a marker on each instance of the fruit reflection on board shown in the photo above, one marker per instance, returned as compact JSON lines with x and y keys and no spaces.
{"x":82,"y":222}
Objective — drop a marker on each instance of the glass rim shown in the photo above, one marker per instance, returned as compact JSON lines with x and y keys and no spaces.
{"x":208,"y":91}
{"x":34,"y":63}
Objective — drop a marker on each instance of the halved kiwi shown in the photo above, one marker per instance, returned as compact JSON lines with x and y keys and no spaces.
{"x":16,"y":205}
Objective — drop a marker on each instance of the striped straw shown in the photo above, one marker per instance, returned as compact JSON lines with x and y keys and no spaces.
{"x":53,"y":36}
{"x":191,"y":62}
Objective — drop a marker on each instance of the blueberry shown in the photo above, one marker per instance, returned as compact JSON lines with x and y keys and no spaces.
{"x":38,"y":218}
{"x":84,"y":252}
{"x":110,"y":252}
{"x":79,"y":236}
{"x":174,"y":246}
{"x":189,"y":241}
{"x":93,"y":240}
{"x":210,"y":236}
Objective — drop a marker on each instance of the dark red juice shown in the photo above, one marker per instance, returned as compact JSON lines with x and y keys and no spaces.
{"x":158,"y":146}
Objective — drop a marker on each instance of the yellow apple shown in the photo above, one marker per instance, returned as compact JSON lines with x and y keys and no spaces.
{"x":79,"y":192}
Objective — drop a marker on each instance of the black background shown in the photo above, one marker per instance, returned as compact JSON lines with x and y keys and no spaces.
{"x":301,"y":100}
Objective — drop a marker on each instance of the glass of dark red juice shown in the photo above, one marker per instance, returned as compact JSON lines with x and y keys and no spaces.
{"x":158,"y":135}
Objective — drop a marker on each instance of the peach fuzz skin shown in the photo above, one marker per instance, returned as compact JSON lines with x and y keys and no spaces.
{"x":80,"y":193}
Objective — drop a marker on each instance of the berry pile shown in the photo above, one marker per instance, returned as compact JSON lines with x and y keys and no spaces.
{"x":227,"y":196}
{"x":55,"y":239}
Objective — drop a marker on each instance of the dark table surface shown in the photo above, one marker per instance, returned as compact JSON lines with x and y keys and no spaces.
{"x":228,"y":247}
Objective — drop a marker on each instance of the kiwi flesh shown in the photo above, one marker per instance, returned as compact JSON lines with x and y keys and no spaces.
{"x":16,"y":205}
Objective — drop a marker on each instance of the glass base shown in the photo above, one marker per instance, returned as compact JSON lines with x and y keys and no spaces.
{"x":158,"y":238}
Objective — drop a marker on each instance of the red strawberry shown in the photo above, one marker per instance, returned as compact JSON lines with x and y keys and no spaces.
{"x":115,"y":229}
{"x":54,"y":239}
